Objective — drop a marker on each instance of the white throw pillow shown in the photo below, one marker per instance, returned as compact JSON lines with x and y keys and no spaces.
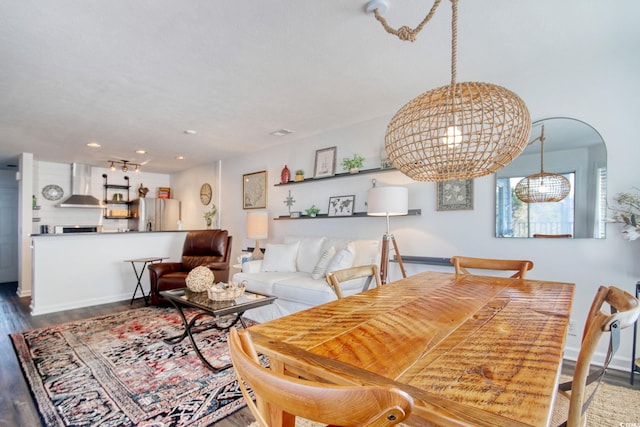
{"x":321,"y":267}
{"x":366,"y":252}
{"x":308,"y":253}
{"x":280,"y":258}
{"x":343,"y":259}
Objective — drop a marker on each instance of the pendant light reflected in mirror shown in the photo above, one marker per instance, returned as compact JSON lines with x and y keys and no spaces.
{"x":542,"y":187}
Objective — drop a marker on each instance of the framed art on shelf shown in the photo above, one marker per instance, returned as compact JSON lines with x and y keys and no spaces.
{"x":455,"y":195}
{"x":254,"y":190}
{"x":341,"y":205}
{"x":325,"y":164}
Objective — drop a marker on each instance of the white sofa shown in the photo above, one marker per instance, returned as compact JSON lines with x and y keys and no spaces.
{"x":294,"y":271}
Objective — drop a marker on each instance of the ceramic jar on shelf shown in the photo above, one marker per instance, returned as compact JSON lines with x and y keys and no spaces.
{"x":285,"y":175}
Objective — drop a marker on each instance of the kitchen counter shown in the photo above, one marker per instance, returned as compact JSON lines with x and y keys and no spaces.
{"x":104,"y":232}
{"x":76,"y":270}
{"x":110,"y":233}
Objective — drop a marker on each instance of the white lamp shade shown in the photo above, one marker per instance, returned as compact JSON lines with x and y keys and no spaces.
{"x":392,"y":201}
{"x":258,"y":225}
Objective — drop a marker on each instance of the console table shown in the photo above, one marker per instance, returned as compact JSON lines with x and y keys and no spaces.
{"x":144,"y":262}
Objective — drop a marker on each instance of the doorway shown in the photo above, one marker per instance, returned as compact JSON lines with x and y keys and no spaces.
{"x":8,"y":227}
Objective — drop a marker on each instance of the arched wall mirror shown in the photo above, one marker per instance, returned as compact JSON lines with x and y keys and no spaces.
{"x":574,"y":149}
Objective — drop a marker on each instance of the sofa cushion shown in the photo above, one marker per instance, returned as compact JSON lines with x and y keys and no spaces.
{"x":366,"y":252}
{"x":262,"y":282}
{"x":303,"y":289}
{"x":308,"y":253}
{"x":320,"y":268}
{"x":342,"y":259}
{"x":280,"y":258}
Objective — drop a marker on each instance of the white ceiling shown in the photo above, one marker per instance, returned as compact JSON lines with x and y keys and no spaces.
{"x":136,"y":74}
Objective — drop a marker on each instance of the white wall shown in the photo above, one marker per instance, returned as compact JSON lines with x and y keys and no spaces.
{"x":186,"y":186}
{"x":48,"y":173}
{"x":599,"y":89}
{"x":602,"y":94}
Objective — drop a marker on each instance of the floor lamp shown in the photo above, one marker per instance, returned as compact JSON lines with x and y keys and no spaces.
{"x":388,"y":201}
{"x":257,"y":228}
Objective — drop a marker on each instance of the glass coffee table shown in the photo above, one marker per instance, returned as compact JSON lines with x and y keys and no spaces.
{"x":185,"y":298}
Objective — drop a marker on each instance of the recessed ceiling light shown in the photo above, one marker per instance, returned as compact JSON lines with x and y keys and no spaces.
{"x":93,"y":145}
{"x":190,"y":132}
{"x":180,"y":158}
{"x":141,"y":151}
{"x":281,"y":132}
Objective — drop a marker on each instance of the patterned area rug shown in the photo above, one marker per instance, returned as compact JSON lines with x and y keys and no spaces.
{"x":116,"y":371}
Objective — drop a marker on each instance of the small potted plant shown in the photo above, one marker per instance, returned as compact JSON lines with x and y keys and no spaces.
{"x":299,"y":175}
{"x":209,"y":215}
{"x":312,"y":211}
{"x":353,"y":164}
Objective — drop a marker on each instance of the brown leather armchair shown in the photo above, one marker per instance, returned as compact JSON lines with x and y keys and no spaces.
{"x":211,"y":248}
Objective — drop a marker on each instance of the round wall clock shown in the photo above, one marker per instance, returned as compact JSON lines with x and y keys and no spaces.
{"x":52,"y":192}
{"x":205,"y":194}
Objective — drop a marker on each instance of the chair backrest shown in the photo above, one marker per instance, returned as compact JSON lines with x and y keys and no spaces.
{"x":552,"y":236}
{"x":321,"y":402}
{"x":205,"y":247}
{"x":520,"y":267}
{"x":339,"y":276}
{"x":625,"y":309}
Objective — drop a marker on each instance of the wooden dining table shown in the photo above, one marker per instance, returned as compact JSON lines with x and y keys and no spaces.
{"x":470,"y":350}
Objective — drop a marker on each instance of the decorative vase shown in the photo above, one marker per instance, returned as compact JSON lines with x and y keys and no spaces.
{"x":285,"y":175}
{"x":208,"y":223}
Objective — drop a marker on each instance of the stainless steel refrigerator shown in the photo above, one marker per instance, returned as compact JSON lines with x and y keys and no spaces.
{"x":151,"y":214}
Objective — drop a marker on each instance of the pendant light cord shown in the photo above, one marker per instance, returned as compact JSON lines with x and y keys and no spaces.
{"x":454,"y":41}
{"x":542,"y":150}
{"x":405,"y":33}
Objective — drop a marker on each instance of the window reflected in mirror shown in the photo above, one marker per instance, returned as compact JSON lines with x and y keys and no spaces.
{"x":575,"y":150}
{"x":516,"y":218}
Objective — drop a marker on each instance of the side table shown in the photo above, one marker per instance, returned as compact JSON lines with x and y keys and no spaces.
{"x":635,"y":362}
{"x":144,"y":262}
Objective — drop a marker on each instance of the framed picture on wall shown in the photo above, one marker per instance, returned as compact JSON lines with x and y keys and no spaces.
{"x":325,"y":164}
{"x":254,"y":190}
{"x":341,"y":205}
{"x":455,"y":195}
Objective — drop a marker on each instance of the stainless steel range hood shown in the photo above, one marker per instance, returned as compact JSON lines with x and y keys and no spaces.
{"x":80,"y":188}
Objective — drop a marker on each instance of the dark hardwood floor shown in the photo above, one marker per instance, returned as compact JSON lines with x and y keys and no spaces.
{"x":16,"y":404}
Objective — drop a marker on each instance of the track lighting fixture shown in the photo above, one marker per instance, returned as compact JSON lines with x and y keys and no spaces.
{"x":125,"y":165}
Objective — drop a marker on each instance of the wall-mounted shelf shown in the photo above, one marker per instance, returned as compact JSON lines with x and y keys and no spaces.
{"x":338,"y":175}
{"x":35,"y":218}
{"x":109,"y":191}
{"x":411,"y":212}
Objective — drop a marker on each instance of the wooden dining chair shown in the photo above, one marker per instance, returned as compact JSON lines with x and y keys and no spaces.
{"x":624,"y":309}
{"x":462,"y":263}
{"x":327,"y":403}
{"x":552,"y":236}
{"x":370,"y":272}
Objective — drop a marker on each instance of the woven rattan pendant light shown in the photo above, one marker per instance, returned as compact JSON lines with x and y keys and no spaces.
{"x":543,"y":186}
{"x":459,"y":131}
